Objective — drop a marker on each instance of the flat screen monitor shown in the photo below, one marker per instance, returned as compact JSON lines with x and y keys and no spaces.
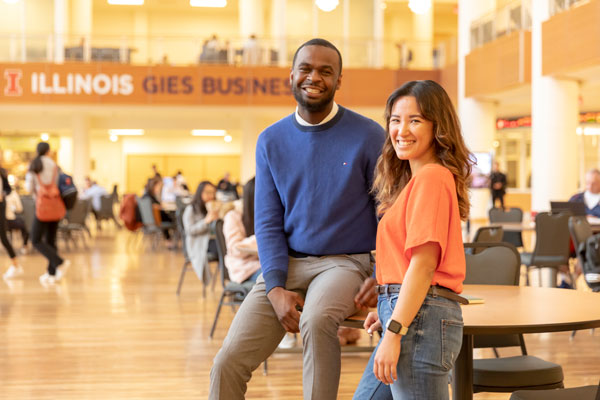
{"x":575,"y":207}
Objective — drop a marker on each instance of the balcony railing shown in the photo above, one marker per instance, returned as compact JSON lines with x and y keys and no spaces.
{"x":186,"y":51}
{"x":557,"y":6}
{"x":514,"y":16}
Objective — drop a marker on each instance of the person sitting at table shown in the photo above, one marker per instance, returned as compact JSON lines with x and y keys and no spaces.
{"x":238,"y":229}
{"x":153,"y":191}
{"x":196,"y":223}
{"x":591,"y":195}
{"x":421,"y":185}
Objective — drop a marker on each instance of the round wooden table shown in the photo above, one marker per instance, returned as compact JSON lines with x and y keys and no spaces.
{"x":519,"y":309}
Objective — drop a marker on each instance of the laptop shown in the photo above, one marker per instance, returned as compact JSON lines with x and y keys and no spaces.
{"x":576,"y":208}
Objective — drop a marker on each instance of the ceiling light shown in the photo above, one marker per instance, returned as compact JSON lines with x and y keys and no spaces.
{"x":327,"y":5}
{"x":591,"y":131}
{"x":44,"y":136}
{"x":126,"y":2}
{"x":114,"y":138}
{"x":419,"y":6}
{"x":208,"y":3}
{"x":11,"y":1}
{"x":126,"y":132}
{"x":208,"y":132}
{"x":228,"y":138}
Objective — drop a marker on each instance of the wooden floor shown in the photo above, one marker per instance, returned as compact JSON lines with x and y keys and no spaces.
{"x":114,"y":329}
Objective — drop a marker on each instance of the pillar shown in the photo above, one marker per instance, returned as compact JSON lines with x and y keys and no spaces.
{"x":278,"y":30}
{"x":81,"y":147}
{"x":81,"y":25}
{"x":478,"y":118}
{"x":60,"y":29}
{"x":422,"y":46}
{"x":554,"y":120}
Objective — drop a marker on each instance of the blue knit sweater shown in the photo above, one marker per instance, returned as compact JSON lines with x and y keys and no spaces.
{"x":312,"y":190}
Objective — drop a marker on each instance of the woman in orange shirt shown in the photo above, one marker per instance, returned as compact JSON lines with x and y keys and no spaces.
{"x":421,"y":186}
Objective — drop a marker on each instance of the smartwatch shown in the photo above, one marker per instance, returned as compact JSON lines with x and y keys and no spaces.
{"x":396,"y":327}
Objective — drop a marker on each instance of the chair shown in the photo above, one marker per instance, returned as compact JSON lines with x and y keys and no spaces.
{"x":580,"y":230}
{"x":233,"y":293}
{"x":150,"y":229}
{"x":591,"y":392}
{"x":106,"y":210}
{"x":514,"y":214}
{"x":499,"y":264}
{"x":74,"y":222}
{"x":551,"y":245}
{"x":486,"y":234}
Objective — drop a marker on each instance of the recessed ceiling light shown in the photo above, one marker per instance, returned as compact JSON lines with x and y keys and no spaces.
{"x":208,"y":132}
{"x":114,"y":138}
{"x":228,"y":138}
{"x":419,"y":6}
{"x":44,"y":136}
{"x":208,"y":3}
{"x":327,"y":5}
{"x":126,"y":132}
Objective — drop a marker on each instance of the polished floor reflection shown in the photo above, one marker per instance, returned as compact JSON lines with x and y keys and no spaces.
{"x":114,"y":329}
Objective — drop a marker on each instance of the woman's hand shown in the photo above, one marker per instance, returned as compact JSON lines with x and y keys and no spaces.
{"x":211,"y":216}
{"x":386,"y":358}
{"x":372,"y":323}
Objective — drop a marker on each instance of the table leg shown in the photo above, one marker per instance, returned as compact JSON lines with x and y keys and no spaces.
{"x":462,"y":377}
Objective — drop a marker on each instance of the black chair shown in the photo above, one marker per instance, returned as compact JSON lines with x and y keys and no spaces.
{"x":499,"y":215}
{"x":233,"y":293}
{"x":151,"y":230}
{"x":74,"y":223}
{"x":106,"y":210}
{"x":580,"y":230}
{"x":551,"y":245}
{"x":186,"y":262}
{"x":499,"y":264}
{"x":486,"y":234}
{"x":591,"y":392}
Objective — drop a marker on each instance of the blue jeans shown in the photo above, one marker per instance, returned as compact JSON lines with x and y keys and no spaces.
{"x":427,"y":356}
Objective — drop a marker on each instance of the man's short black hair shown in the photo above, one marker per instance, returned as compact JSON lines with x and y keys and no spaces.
{"x":318,"y":42}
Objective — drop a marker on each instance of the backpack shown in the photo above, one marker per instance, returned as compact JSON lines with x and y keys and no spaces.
{"x":129,"y":212}
{"x":590,"y":250}
{"x":67,"y":189}
{"x":49,"y":206}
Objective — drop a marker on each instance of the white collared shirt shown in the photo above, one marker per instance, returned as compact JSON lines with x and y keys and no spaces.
{"x":328,"y":118}
{"x":591,"y":199}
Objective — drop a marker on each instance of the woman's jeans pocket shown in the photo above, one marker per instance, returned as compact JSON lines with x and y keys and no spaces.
{"x":451,"y":342}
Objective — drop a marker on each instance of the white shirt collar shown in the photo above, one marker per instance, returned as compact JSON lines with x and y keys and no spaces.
{"x":328,"y":118}
{"x":591,"y":199}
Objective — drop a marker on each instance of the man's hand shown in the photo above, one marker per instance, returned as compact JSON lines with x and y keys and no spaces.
{"x":366,"y":296}
{"x":284,"y":303}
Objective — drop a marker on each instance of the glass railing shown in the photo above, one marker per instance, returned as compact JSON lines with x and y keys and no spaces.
{"x":515,"y":16}
{"x":557,"y":6}
{"x":188,"y":51}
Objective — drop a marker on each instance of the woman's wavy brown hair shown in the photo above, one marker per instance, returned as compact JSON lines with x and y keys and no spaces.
{"x":392,"y":174}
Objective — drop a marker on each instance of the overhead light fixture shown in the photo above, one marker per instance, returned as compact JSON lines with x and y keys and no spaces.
{"x":126,"y":132}
{"x":327,"y":5}
{"x":126,"y":2}
{"x":588,"y":131}
{"x":11,"y":1}
{"x":209,"y":132}
{"x":419,"y":6}
{"x":44,"y":136}
{"x":114,"y":138}
{"x":208,"y":3}
{"x":228,"y":138}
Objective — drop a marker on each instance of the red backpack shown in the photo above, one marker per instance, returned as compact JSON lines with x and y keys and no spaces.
{"x":49,"y":206}
{"x":128,"y":213}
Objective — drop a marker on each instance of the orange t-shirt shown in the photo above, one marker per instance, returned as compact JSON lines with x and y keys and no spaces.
{"x":425,"y":211}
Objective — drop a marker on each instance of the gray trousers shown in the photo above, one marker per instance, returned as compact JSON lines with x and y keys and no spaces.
{"x":328,"y":285}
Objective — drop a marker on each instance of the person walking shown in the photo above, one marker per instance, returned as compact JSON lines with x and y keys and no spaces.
{"x":15,"y":269}
{"x":43,"y":173}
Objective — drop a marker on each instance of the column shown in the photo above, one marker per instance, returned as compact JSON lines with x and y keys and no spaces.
{"x":422,"y":46}
{"x":346,"y":31}
{"x":478,"y":118}
{"x":554,"y":114}
{"x":377,"y":34}
{"x":278,"y":30}
{"x":250,"y":132}
{"x":60,"y":29}
{"x":251,"y":18}
{"x":140,"y":37}
{"x":81,"y":24}
{"x":81,"y":147}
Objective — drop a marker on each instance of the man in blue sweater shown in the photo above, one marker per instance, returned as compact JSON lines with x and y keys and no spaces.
{"x":315,"y":226}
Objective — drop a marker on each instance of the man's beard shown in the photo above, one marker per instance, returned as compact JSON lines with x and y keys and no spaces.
{"x":312,"y":106}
